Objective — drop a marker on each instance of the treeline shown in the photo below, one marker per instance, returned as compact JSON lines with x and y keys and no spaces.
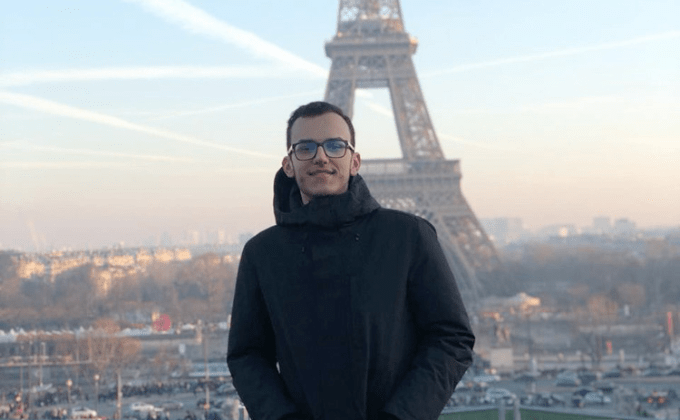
{"x":201,"y":288}
{"x":645,"y":279}
{"x":587,"y":278}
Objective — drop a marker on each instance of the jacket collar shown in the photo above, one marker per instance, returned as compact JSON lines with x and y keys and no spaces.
{"x":330,"y":211}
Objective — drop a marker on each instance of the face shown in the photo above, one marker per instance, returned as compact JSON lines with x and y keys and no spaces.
{"x":321,"y":175}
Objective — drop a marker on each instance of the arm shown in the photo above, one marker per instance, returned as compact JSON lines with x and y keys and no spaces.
{"x":444,"y":350}
{"x":251,"y":354}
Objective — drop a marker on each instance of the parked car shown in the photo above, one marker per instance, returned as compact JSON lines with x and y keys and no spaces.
{"x":141,"y":406}
{"x":217,"y":403}
{"x":80,"y":412}
{"x":171,"y":405}
{"x":213,"y":415}
{"x":587,"y":377}
{"x":156,"y":413}
{"x":567,"y":381}
{"x":486,"y":377}
{"x":606,"y":387}
{"x":584,"y":390}
{"x":226,"y":389}
{"x":141,"y":410}
{"x":543,"y":399}
{"x":553,"y":399}
{"x":596,"y":398}
{"x":630,"y":371}
{"x":659,"y":398}
{"x":654,"y":372}
{"x":525,"y":377}
{"x":674,"y":372}
{"x":495,"y":395}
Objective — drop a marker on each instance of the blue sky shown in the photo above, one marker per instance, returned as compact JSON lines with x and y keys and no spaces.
{"x":121,"y":120}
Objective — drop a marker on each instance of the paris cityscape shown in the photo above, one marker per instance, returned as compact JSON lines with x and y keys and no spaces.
{"x":139,"y":140}
{"x":601,"y":304}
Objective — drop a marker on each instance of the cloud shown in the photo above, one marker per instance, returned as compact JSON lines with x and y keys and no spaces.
{"x":558,"y":53}
{"x":88,"y":152}
{"x":54,"y":108}
{"x":135,"y":73}
{"x":197,"y":21}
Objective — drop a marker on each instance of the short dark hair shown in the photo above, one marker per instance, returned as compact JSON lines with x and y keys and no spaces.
{"x":314,"y":109}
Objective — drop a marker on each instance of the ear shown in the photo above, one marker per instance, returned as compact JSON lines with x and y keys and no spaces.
{"x":287,"y":166}
{"x":355,"y":164}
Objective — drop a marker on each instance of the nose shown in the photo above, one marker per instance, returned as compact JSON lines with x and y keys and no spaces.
{"x":321,"y":156}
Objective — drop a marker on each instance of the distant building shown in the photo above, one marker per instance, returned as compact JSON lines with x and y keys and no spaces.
{"x":520,"y":303}
{"x":624,"y":227}
{"x":503,"y":230}
{"x":194,"y":237}
{"x":221,"y":237}
{"x":244,"y":237}
{"x":602,"y":225}
{"x":560,"y":231}
{"x":166,"y":240}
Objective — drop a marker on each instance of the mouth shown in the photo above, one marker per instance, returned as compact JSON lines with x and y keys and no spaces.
{"x":313,"y":173}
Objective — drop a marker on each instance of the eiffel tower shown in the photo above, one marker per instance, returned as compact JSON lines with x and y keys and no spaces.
{"x":372,"y":50}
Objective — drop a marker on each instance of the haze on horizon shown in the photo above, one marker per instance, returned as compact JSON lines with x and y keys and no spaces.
{"x":122,"y":120}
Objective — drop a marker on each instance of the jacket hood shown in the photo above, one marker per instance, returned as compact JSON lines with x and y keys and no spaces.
{"x":329,"y":211}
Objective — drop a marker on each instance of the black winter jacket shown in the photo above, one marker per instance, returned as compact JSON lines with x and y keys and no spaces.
{"x":346,"y":311}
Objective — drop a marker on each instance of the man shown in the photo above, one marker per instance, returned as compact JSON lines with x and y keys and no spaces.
{"x":344,"y":310}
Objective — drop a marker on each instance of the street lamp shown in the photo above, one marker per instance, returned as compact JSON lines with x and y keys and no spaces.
{"x":42,"y":360}
{"x":96,"y":387}
{"x":20,"y":402}
{"x":69,"y":383}
{"x":21,"y":369}
{"x":204,"y":339}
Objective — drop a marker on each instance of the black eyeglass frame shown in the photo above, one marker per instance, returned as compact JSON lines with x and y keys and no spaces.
{"x":292,"y":150}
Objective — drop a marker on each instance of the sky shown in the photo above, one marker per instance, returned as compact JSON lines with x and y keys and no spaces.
{"x":123,"y":120}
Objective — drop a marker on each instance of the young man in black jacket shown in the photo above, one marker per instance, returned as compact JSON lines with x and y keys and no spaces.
{"x":344,"y":310}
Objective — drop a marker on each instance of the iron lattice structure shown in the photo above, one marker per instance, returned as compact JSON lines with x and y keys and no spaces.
{"x":372,"y":50}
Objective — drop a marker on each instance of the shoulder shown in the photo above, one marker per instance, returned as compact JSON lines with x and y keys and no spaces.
{"x":263,"y":240}
{"x":402,"y":219}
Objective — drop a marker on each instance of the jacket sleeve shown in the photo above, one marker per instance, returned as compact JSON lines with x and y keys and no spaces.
{"x":446,"y":339}
{"x":251,"y":353}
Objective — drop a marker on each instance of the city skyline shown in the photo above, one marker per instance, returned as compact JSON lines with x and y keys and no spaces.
{"x":126,"y":119}
{"x":512,"y":230}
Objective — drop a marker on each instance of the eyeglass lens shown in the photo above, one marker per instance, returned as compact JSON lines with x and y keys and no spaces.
{"x":334,"y":148}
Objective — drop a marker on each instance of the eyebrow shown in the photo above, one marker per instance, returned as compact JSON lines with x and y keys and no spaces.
{"x":314,"y":141}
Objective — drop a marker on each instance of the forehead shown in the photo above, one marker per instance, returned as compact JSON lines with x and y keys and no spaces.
{"x":321,"y":127}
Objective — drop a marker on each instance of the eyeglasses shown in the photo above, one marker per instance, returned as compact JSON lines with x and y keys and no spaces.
{"x":306,"y":149}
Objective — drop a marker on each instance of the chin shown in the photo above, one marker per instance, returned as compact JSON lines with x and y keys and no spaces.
{"x":322,"y":195}
{"x":325,"y":192}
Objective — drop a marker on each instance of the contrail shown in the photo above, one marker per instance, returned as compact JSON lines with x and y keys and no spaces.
{"x":136,"y":73}
{"x":62,"y":165}
{"x":476,"y":143}
{"x":62,"y":150}
{"x":235,"y":105}
{"x":195,"y":20}
{"x":387,"y":112}
{"x":43,"y":105}
{"x":557,"y":53}
{"x":362,"y":94}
